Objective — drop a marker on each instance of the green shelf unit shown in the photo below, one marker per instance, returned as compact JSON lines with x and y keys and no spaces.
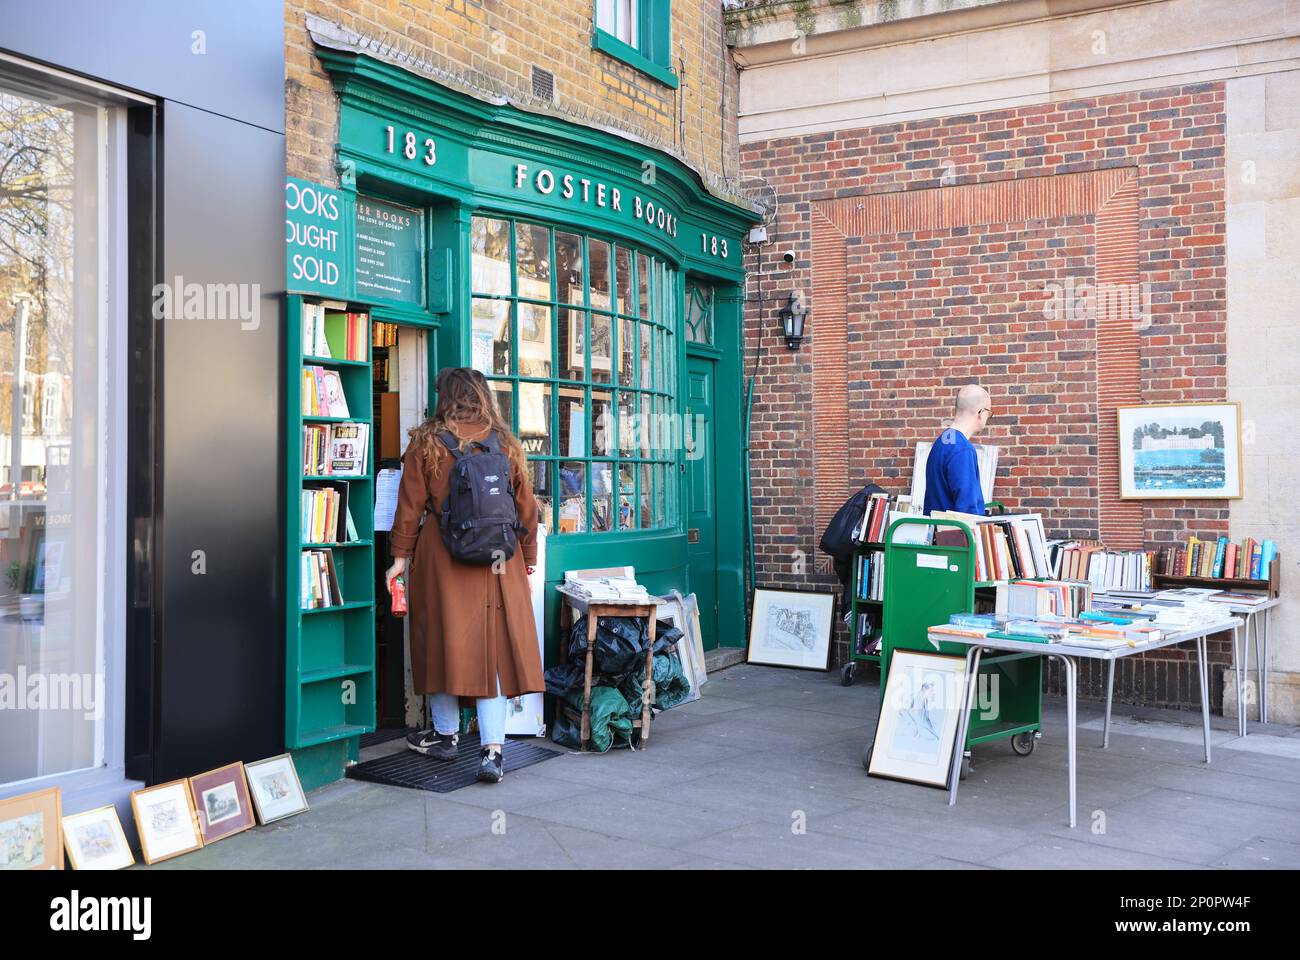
{"x":924,"y":585}
{"x":862,"y":606}
{"x":329,"y":651}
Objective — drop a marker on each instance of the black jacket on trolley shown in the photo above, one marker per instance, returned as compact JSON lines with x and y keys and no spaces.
{"x":837,"y":541}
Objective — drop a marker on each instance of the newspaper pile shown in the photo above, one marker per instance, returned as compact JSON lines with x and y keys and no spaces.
{"x":606,"y":589}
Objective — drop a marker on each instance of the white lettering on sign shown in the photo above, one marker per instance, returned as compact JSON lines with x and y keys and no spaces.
{"x":595,"y":193}
{"x":306,"y":200}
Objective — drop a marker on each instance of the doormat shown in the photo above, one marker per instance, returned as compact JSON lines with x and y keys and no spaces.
{"x":418,"y":772}
{"x":383,"y":736}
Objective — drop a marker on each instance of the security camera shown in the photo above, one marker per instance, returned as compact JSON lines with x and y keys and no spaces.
{"x":788,"y":256}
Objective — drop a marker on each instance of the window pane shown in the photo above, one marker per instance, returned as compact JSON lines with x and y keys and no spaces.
{"x":623,"y":274}
{"x":602,"y":424}
{"x":535,"y":417}
{"x":534,"y":340}
{"x":643,"y":285}
{"x":646,"y":381}
{"x":490,"y":347}
{"x":573,"y":422}
{"x":542,"y":474}
{"x":627,"y":425}
{"x":568,"y":268}
{"x":573,"y":362}
{"x":533,"y":261}
{"x":573,"y":496}
{"x":602,"y":343}
{"x":598,"y":256}
{"x":501,"y":392}
{"x":645,"y":424}
{"x":647,"y":490}
{"x":661,"y":479}
{"x":699,"y":312}
{"x":627,"y":352}
{"x":490,"y":256}
{"x":602,"y":496}
{"x":626,"y":495}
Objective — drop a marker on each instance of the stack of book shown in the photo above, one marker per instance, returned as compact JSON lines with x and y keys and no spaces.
{"x":325,"y":514}
{"x":322,"y":393}
{"x":871,"y":576}
{"x":335,"y":449}
{"x":1104,"y":631}
{"x":1221,"y":558}
{"x":320,"y":586}
{"x":1037,"y":598}
{"x":882,"y":510}
{"x":1120,"y":569}
{"x":1007,"y":547}
{"x":333,"y":334}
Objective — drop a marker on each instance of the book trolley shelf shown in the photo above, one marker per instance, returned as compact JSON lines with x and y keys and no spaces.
{"x":1270,"y":586}
{"x":329,"y":651}
{"x":925,"y":583}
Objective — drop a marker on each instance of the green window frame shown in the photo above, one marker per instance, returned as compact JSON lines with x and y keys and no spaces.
{"x":576,"y":334}
{"x":651,"y":48}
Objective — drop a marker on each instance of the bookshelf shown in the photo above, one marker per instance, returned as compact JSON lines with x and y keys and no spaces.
{"x":329,"y":650}
{"x":1164,"y":581}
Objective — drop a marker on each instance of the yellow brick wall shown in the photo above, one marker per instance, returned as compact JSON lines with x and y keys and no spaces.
{"x":501,"y":40}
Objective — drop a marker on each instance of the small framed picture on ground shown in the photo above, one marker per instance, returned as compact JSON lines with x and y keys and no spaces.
{"x":222,"y":801}
{"x":277,"y":792}
{"x":166,"y":821}
{"x":918,"y":718}
{"x":31,"y":831}
{"x":1180,"y":451}
{"x":791,"y":628}
{"x":95,"y":840}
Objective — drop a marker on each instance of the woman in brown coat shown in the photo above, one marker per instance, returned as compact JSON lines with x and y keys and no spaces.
{"x":472,"y":630}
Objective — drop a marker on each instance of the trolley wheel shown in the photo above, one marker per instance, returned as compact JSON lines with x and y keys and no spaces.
{"x":965,"y":768}
{"x":866,"y":757}
{"x":846,"y":674}
{"x":1024,"y":743}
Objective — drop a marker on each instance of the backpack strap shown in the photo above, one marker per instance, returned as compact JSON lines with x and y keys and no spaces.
{"x":449,"y":440}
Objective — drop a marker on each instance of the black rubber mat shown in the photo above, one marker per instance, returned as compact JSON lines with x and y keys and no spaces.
{"x":418,"y":772}
{"x":382,"y":736}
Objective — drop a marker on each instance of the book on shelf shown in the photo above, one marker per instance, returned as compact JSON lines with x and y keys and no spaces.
{"x":320,"y":582}
{"x":325,"y":515}
{"x":385,"y":334}
{"x":1007,"y":547}
{"x":1218,"y":559}
{"x":313,"y":331}
{"x":335,"y":449}
{"x":1038,"y":598}
{"x":882,"y":510}
{"x":870,"y":583}
{"x":322,"y":393}
{"x":346,"y":335}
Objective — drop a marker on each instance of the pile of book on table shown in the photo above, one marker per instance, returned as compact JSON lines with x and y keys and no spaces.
{"x":1221,"y":558}
{"x":1176,"y":609}
{"x":1088,"y":629}
{"x":606,"y":589}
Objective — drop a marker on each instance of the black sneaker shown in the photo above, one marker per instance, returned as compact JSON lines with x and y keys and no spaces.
{"x":440,"y":746}
{"x":489,"y":768}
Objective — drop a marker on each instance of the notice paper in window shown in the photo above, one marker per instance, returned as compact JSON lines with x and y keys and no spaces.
{"x":386,"y":485}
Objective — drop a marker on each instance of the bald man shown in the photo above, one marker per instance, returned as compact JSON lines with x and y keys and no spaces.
{"x":952,"y":473}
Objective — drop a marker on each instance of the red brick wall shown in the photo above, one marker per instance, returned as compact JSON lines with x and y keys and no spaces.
{"x":947,"y":233}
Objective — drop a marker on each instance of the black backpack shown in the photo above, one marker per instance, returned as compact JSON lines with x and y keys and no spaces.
{"x":837,"y":541}
{"x":479,"y":522}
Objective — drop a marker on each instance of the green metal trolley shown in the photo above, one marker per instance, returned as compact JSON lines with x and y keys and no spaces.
{"x":925,"y":583}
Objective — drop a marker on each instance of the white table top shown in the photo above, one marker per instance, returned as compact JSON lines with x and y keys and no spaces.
{"x":1087,"y":652}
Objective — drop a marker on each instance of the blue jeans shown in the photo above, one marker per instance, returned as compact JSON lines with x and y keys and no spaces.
{"x":444,"y":709}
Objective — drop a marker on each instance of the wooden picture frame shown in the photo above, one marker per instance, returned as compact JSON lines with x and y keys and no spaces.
{"x":222,"y":802}
{"x":276,"y":790}
{"x":31,"y":831}
{"x":94,"y":840}
{"x":791,"y":628}
{"x":165,"y":821}
{"x":1166,"y":452}
{"x":917,"y":728}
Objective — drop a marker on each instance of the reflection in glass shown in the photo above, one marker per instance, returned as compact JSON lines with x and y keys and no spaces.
{"x":533,"y":261}
{"x":647,"y":488}
{"x":535,"y":418}
{"x":573,"y":496}
{"x":602,"y":496}
{"x":602,"y":424}
{"x":490,"y":337}
{"x":504,"y":401}
{"x":643,"y":285}
{"x":602,"y":347}
{"x":627,"y":352}
{"x":626,"y":495}
{"x":534,"y":340}
{"x":490,"y":256}
{"x":646,"y":381}
{"x":598,"y":254}
{"x":627,"y":422}
{"x":542,"y":474}
{"x":660,"y":515}
{"x":568,"y":268}
{"x":623,"y":275}
{"x":573,"y":422}
{"x":573,"y":361}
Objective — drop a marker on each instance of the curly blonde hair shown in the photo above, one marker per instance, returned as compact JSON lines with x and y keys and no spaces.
{"x":464,"y":405}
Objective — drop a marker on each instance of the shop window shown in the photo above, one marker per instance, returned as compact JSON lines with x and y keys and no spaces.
{"x":699,"y":312}
{"x":638,"y":32}
{"x":575,"y":335}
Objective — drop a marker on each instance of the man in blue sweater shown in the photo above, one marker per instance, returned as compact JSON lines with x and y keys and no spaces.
{"x":952,"y":474}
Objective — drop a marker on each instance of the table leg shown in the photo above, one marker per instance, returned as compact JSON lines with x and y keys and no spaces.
{"x":963,"y":719}
{"x":1110,"y":696}
{"x":1071,"y":716}
{"x":1239,"y":667}
{"x":1263,"y":671}
{"x":1203,"y":676}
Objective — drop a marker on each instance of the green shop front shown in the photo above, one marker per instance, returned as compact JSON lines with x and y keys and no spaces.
{"x":598,"y":286}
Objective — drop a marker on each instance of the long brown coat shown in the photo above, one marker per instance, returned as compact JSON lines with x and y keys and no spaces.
{"x":468,"y":624}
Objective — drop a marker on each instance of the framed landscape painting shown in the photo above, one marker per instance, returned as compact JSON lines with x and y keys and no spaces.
{"x":1180,"y":451}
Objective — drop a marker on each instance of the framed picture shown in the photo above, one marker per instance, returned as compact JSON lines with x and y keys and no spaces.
{"x":222,"y":801}
{"x":918,"y":718}
{"x":601,"y":344}
{"x":1180,"y":451}
{"x":674,"y":610}
{"x":166,"y":821}
{"x":95,"y":841}
{"x":986,"y":457}
{"x":31,"y":831}
{"x":277,"y":792}
{"x":791,"y":628}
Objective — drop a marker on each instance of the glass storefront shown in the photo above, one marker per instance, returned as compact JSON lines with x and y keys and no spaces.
{"x":576,"y":336}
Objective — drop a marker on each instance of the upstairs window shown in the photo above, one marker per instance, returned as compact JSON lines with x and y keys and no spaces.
{"x":639,"y":33}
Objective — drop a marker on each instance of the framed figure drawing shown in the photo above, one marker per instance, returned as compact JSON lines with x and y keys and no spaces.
{"x":1180,"y":451}
{"x":31,"y":831}
{"x":222,"y":801}
{"x":791,"y":628}
{"x":95,"y":841}
{"x":166,"y":821}
{"x":918,"y":718}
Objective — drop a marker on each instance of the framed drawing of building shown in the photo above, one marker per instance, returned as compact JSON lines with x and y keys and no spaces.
{"x":791,"y":628}
{"x":1180,"y":451}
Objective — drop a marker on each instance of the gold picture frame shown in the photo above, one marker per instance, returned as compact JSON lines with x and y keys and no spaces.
{"x":1179,"y":461}
{"x":166,"y":821}
{"x":31,"y":831}
{"x":114,"y":852}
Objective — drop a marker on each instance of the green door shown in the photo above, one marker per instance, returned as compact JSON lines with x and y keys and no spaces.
{"x":701,"y":493}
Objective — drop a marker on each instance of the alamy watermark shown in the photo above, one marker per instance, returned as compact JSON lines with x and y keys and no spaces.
{"x":53,"y":691}
{"x":179,"y":300}
{"x":1081,"y":300}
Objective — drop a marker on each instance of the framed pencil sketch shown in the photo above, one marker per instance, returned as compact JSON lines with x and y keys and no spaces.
{"x":918,"y":718}
{"x":31,"y":831}
{"x":1180,"y":451}
{"x":277,"y":792}
{"x":95,"y":840}
{"x":791,"y":628}
{"x":166,"y":821}
{"x":223,"y":803}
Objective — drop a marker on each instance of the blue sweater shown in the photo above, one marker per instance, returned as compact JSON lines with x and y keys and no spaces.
{"x":952,"y":475}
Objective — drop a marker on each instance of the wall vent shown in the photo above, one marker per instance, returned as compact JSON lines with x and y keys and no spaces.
{"x":543,"y":83}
